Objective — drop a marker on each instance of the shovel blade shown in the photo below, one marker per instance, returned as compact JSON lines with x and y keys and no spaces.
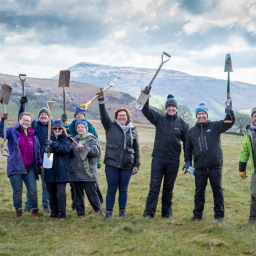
{"x":83,"y":153}
{"x":141,"y":100}
{"x":228,"y":64}
{"x":47,"y":162}
{"x":64,"y":78}
{"x":5,"y":93}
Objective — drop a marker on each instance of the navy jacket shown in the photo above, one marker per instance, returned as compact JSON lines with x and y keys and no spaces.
{"x":60,"y":171}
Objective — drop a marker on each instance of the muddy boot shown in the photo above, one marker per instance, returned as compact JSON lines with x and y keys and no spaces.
{"x":122,"y":213}
{"x":252,"y":217}
{"x":108,"y":214}
{"x":35,"y":214}
{"x":19,"y":214}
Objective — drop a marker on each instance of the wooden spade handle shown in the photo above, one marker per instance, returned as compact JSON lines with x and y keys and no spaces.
{"x":167,"y":54}
{"x":50,"y":117}
{"x":227,"y":121}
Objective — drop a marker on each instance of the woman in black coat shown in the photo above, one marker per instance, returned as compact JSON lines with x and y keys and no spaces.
{"x":57,"y":177}
{"x":122,"y":157}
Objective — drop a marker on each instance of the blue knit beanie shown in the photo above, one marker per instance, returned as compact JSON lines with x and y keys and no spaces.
{"x":81,"y":121}
{"x":79,"y":110}
{"x":202,"y":107}
{"x":58,"y":123}
{"x":171,"y":101}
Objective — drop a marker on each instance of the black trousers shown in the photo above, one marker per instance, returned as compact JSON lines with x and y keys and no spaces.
{"x":161,"y":168}
{"x":57,"y":194}
{"x":90,"y":189}
{"x":201,"y":177}
{"x":73,"y":205}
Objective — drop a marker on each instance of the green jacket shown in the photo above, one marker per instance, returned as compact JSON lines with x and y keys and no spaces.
{"x":247,"y":151}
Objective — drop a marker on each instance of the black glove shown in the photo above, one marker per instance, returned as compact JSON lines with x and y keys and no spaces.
{"x":48,"y":149}
{"x":64,"y":118}
{"x":48,"y":142}
{"x":185,"y":168}
{"x":146,"y":90}
{"x":23,"y":100}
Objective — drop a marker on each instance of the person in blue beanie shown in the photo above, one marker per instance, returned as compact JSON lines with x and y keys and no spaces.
{"x":71,"y":129}
{"x":204,"y":145}
{"x":41,"y":126}
{"x":170,"y":130}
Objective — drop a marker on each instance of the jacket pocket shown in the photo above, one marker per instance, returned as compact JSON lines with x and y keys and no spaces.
{"x":112,"y":152}
{"x":128,"y":157}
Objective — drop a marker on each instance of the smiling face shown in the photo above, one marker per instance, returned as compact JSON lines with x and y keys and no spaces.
{"x":122,"y":117}
{"x":44,"y":118}
{"x":25,"y":122}
{"x":171,"y":110}
{"x":201,"y":117}
{"x":79,"y":116}
{"x":81,"y":129}
{"x":57,"y":131}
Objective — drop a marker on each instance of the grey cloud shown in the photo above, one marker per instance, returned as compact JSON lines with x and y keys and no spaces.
{"x":198,"y":6}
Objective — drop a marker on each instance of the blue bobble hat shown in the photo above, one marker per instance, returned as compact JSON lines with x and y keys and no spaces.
{"x":58,"y":123}
{"x":171,"y":101}
{"x":81,"y":121}
{"x":202,"y":107}
{"x":79,"y":110}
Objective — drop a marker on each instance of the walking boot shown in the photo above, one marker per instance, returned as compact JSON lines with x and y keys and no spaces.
{"x":108,"y":214}
{"x":122,"y":213}
{"x":252,"y":217}
{"x":19,"y":214}
{"x":35,"y":214}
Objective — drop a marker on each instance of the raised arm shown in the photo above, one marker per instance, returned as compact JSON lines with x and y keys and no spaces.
{"x":150,"y":114}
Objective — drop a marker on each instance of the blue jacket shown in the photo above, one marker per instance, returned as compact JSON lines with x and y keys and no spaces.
{"x":15,"y":163}
{"x":60,"y":171}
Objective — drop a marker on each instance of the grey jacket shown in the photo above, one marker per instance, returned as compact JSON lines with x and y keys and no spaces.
{"x":76,"y":166}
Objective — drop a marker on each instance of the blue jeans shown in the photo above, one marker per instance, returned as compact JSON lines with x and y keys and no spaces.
{"x":17,"y":184}
{"x":117,"y":178}
{"x":45,"y":195}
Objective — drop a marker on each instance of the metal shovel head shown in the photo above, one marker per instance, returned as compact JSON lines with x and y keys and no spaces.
{"x":83,"y":153}
{"x":141,"y":100}
{"x":64,"y":78}
{"x":5,"y":93}
{"x":228,"y":64}
{"x":47,"y":162}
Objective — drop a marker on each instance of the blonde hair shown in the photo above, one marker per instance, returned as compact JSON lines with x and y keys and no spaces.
{"x":129,"y":119}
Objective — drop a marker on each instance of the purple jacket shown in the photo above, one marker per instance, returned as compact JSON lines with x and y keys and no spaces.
{"x":15,"y":164}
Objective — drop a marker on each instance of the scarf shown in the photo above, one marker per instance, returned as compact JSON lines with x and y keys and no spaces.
{"x":125,"y":130}
{"x":252,"y":126}
{"x":82,"y":141}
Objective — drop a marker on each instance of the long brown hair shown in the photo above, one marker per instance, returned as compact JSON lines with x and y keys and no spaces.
{"x":129,"y":119}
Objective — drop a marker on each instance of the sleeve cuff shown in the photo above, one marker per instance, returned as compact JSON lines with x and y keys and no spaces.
{"x":242,"y":166}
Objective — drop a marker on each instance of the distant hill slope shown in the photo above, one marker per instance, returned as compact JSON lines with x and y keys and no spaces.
{"x":39,"y":91}
{"x":187,"y":89}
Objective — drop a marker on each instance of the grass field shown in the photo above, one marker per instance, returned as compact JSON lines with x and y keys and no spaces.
{"x":92,"y":235}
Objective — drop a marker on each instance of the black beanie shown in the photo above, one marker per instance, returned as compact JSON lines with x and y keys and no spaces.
{"x":171,"y":101}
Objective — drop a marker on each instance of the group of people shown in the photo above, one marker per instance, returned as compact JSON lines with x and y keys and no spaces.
{"x":77,"y":159}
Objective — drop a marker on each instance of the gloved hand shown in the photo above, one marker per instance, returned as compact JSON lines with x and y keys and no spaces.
{"x":4,"y":116}
{"x":191,"y":170}
{"x":48,"y":149}
{"x":185,"y":168}
{"x":48,"y":142}
{"x":146,"y":90}
{"x":64,"y":118}
{"x":242,"y":175}
{"x":40,"y":169}
{"x":135,"y":170}
{"x":23,"y":100}
{"x":100,"y":94}
{"x":228,"y":104}
{"x":98,"y":164}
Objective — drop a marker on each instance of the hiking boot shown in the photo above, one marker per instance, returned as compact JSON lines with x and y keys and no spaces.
{"x":53,"y":217}
{"x":35,"y":214}
{"x":252,"y":217}
{"x":19,"y":214}
{"x":196,"y":219}
{"x":62,"y":219}
{"x":147,"y":217}
{"x":169,"y":218}
{"x":73,"y":210}
{"x":108,"y":214}
{"x":122,"y":213}
{"x":47,"y":210}
{"x":219,"y":219}
{"x":27,"y":210}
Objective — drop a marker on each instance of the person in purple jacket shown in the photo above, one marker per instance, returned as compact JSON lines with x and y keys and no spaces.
{"x":24,"y":162}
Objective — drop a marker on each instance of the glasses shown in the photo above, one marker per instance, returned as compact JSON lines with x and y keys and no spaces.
{"x":26,"y":121}
{"x":57,"y":128}
{"x":122,"y":115}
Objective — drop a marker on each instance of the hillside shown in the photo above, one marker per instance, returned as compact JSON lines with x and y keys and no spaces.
{"x":187,"y":89}
{"x":39,"y":91}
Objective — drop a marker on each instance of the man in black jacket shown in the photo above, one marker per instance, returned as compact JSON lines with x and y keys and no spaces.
{"x":170,"y":130}
{"x":203,"y":142}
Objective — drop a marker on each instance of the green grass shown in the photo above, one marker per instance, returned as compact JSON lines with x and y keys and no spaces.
{"x":93,"y":235}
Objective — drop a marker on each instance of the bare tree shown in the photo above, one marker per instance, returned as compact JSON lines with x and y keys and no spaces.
{"x":184,"y":113}
{"x":242,"y":120}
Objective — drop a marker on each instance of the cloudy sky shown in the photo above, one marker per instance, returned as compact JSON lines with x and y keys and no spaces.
{"x":42,"y":37}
